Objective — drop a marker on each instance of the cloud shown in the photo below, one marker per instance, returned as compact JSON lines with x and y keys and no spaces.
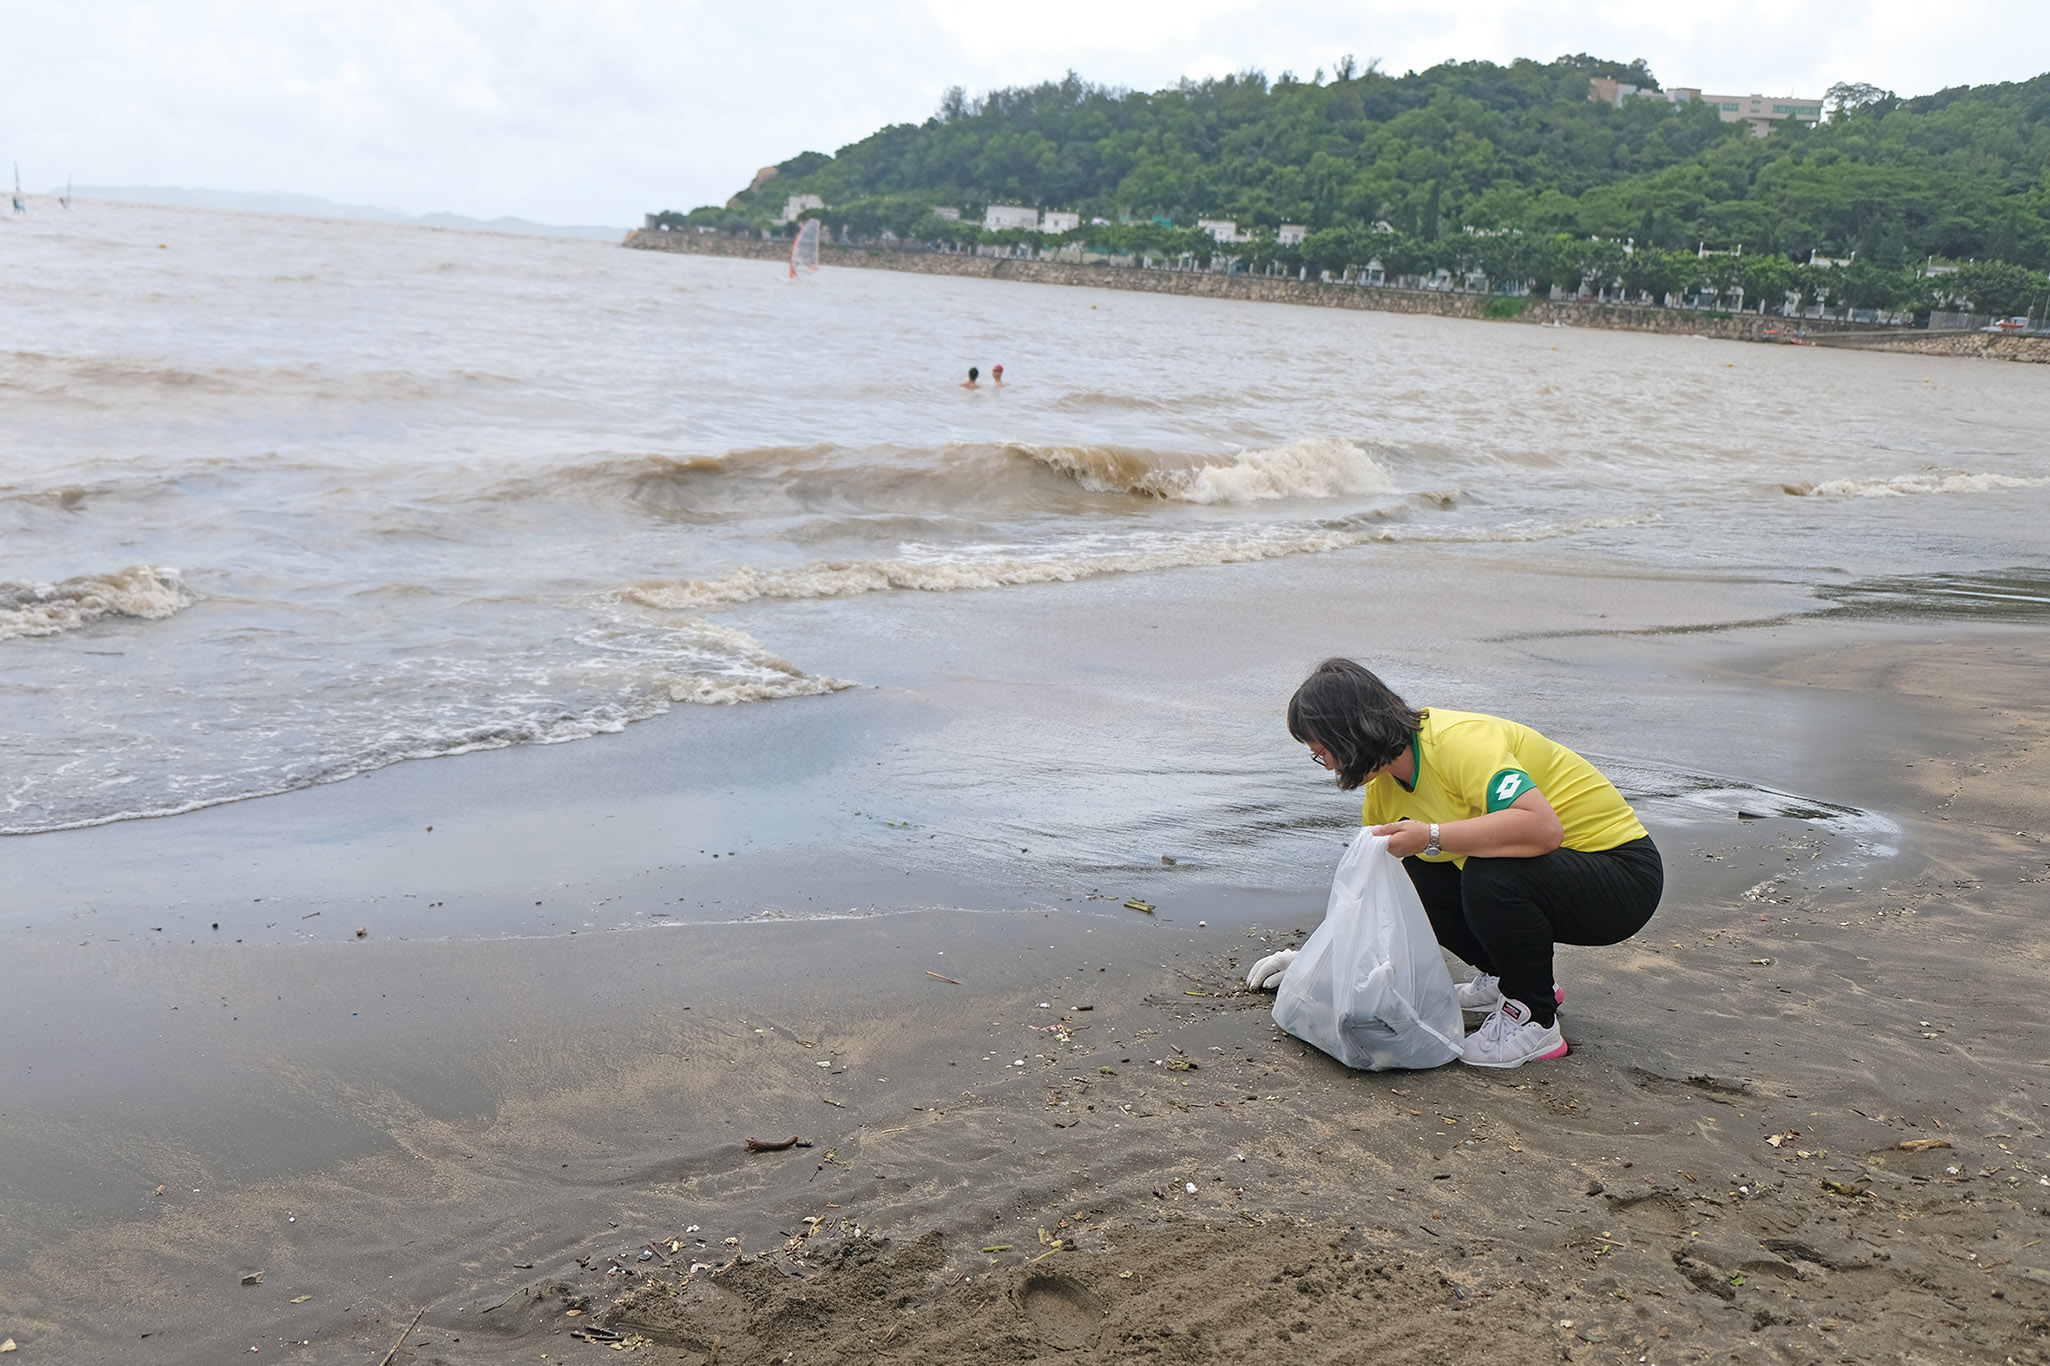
{"x":599,"y":110}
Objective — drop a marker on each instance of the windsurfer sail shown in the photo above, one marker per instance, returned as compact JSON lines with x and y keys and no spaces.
{"x":804,"y":252}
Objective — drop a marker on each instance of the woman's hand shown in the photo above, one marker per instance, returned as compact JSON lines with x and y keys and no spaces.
{"x":1405,"y":838}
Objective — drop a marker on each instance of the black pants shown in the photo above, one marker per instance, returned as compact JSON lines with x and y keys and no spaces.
{"x":1504,"y":914}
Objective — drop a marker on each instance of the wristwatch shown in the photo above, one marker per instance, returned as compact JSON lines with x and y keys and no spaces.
{"x":1432,"y":850}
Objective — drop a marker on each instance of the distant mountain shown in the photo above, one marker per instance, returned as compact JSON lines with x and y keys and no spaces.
{"x":312,"y":206}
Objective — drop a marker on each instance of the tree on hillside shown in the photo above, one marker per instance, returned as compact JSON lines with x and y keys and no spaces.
{"x":1998,"y":288}
{"x":1598,"y":264}
{"x":1962,"y":173}
{"x":1653,"y":272}
{"x":1767,"y":278}
{"x":1868,"y":284}
{"x":1720,"y":276}
{"x":1845,"y":96}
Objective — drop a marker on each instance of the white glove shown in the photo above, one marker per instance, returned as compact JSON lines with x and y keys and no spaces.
{"x":1267,"y":972}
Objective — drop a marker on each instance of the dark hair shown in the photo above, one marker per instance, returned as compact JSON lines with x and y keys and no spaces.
{"x":973,"y":372}
{"x":1346,"y":709}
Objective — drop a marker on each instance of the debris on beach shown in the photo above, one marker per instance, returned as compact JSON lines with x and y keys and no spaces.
{"x":393,"y":1353}
{"x":1134,"y":904}
{"x":502,"y":1303}
{"x":766,"y":1145}
{"x":942,"y":976}
{"x":253,"y":1278}
{"x":1923,"y":1145}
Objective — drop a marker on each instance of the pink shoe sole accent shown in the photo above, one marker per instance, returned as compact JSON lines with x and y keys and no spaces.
{"x":1561,"y":1051}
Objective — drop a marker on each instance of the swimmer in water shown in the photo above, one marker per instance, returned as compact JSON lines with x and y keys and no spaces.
{"x":996,"y":375}
{"x":973,"y":375}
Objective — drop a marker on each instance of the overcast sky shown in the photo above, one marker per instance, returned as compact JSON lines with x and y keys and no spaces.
{"x":599,"y":110}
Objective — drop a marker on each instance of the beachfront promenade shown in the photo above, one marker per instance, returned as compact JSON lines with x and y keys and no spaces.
{"x":1164,"y":279}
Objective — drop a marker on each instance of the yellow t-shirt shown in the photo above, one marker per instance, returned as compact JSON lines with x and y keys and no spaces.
{"x":1468,"y":764}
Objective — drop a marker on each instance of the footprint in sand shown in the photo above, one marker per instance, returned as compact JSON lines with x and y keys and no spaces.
{"x":1065,"y":1313}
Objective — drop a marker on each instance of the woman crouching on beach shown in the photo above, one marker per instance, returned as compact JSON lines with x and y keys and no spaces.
{"x":1514,"y":842}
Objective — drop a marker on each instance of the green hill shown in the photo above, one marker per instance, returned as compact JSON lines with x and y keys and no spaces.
{"x":1462,"y":154}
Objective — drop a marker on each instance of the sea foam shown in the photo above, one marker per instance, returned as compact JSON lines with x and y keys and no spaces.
{"x":1316,"y":467}
{"x":748,"y":673}
{"x":1903,"y":485}
{"x":1079,"y":558}
{"x":47,"y":609}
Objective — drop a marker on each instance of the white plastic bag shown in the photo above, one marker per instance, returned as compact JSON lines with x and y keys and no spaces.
{"x":1370,"y":986}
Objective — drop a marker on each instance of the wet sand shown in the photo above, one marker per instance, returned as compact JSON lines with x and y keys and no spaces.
{"x":1091,"y":1142}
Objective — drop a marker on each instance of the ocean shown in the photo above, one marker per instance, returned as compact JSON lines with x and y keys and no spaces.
{"x":286,"y":501}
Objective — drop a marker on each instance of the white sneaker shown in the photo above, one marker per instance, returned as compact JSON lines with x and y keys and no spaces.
{"x":1510,"y":1038}
{"x":1484,"y":993}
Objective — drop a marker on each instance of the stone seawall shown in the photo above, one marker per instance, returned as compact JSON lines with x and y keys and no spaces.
{"x":1267,"y":289}
{"x":1983,"y":345}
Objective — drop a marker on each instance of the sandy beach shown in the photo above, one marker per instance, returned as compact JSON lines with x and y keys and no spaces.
{"x":1091,"y":1142}
{"x":612,"y":706}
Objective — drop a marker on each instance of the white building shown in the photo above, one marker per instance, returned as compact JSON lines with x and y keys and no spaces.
{"x":1760,"y":111}
{"x":1220,"y":229}
{"x":1054,"y":220}
{"x":1609,"y":90}
{"x":1000,"y":216}
{"x":1291,"y":234}
{"x":942,"y":211}
{"x":797,"y":204}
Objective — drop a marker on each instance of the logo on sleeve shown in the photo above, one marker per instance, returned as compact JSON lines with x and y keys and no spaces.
{"x":1505,"y":787}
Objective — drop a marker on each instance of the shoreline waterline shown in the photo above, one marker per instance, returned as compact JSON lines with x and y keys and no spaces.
{"x":972,"y":1078}
{"x":1751,"y":327}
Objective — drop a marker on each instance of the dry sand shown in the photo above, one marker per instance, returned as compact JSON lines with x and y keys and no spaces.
{"x":1096,"y":1146}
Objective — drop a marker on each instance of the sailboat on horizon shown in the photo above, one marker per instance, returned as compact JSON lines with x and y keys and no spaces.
{"x":65,"y":198}
{"x":19,"y":206}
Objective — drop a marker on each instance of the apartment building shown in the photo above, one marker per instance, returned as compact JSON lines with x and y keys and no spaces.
{"x":798,"y":204}
{"x":997,"y":217}
{"x":1762,"y":112}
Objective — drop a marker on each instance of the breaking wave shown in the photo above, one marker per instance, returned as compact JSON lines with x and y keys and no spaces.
{"x":1004,"y":567}
{"x":989,"y":568}
{"x":957,"y":479}
{"x":48,"y":609}
{"x":1902,"y":485}
{"x":1310,"y":468}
